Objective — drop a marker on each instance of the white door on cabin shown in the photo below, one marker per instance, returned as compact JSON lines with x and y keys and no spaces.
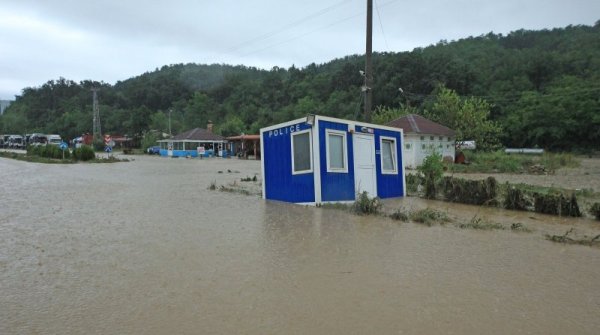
{"x":364,"y":164}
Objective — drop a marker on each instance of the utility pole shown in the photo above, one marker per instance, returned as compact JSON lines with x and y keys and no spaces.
{"x":97,"y":131}
{"x":170,"y":110}
{"x":368,"y":63}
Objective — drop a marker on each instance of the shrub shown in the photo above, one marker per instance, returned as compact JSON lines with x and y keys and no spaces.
{"x":412,"y":182}
{"x":366,"y":205}
{"x":515,"y":199}
{"x":400,"y":215}
{"x":84,"y":153}
{"x":47,"y":151}
{"x":556,"y":204}
{"x":474,"y":192}
{"x":432,"y":170}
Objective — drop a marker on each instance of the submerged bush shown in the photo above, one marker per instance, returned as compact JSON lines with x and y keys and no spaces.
{"x":595,"y":210}
{"x":515,"y":199}
{"x":412,"y":182}
{"x":478,"y":223}
{"x":399,"y":215}
{"x":429,"y":216}
{"x":366,"y":205}
{"x":473,"y":192}
{"x":556,"y":204}
{"x":432,"y":170}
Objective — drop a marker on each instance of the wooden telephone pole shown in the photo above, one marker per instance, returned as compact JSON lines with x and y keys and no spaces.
{"x":97,"y":130}
{"x":368,"y":88}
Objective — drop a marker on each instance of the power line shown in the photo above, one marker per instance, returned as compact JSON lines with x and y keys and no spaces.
{"x":360,"y":14}
{"x":387,"y":47}
{"x":286,"y":27}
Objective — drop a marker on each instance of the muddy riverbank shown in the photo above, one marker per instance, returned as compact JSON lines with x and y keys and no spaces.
{"x":146,"y":247}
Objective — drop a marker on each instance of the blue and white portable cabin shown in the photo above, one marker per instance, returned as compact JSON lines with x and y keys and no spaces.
{"x":320,"y":159}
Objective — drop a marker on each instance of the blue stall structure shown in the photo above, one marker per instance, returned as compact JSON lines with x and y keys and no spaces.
{"x":320,"y":159}
{"x":193,"y":143}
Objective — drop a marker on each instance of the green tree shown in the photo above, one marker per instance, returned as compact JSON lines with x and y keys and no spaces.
{"x":468,"y":117}
{"x":233,"y":126}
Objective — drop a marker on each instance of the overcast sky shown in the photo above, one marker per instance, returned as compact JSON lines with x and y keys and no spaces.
{"x":113,"y":40}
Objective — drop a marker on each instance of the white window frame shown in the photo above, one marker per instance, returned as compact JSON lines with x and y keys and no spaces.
{"x":394,"y":154}
{"x":310,"y":145}
{"x":344,"y":150}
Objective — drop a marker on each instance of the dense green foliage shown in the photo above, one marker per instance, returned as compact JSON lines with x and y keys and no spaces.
{"x":48,"y":151}
{"x":84,"y":153}
{"x":540,"y":87}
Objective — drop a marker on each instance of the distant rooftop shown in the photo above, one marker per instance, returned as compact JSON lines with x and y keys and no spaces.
{"x":416,"y":124}
{"x":197,"y":134}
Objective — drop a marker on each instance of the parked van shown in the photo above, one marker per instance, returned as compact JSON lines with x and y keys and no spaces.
{"x":16,"y":142}
{"x":5,"y":141}
{"x":38,"y":139}
{"x":54,"y":139}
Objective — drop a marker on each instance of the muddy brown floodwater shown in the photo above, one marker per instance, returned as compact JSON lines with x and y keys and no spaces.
{"x":145,"y":248}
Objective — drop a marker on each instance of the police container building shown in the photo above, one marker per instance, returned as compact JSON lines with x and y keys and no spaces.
{"x":320,"y":159}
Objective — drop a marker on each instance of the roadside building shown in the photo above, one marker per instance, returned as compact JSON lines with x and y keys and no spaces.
{"x":423,"y":137}
{"x":193,"y":143}
{"x":319,"y":159}
{"x":244,"y":146}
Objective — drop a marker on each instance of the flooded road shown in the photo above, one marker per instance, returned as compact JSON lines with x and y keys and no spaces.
{"x":145,"y":248}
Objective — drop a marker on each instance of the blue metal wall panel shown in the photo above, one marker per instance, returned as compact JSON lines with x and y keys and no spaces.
{"x":389,"y":185}
{"x":336,"y":186}
{"x":280,"y":183}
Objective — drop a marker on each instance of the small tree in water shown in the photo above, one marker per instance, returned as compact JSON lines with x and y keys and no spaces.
{"x":432,"y":170}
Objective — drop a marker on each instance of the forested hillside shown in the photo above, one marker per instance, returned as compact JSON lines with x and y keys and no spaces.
{"x":543,"y":86}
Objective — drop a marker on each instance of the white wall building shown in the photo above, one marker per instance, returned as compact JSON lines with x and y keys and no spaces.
{"x":422,"y":137}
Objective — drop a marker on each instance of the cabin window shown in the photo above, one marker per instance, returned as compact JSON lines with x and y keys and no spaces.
{"x":389,"y":161}
{"x":301,"y":152}
{"x":422,"y":138}
{"x":407,"y":146}
{"x":431,"y":138}
{"x":337,"y":160}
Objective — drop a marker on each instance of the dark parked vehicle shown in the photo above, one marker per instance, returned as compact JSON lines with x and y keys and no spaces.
{"x":154,"y":150}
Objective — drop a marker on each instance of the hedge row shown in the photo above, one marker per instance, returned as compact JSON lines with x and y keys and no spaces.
{"x":47,"y":151}
{"x":83,"y":153}
{"x":485,"y":192}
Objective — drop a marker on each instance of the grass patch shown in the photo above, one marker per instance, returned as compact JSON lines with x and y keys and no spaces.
{"x":480,"y":224}
{"x":566,"y":239}
{"x":429,"y":217}
{"x":501,"y":162}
